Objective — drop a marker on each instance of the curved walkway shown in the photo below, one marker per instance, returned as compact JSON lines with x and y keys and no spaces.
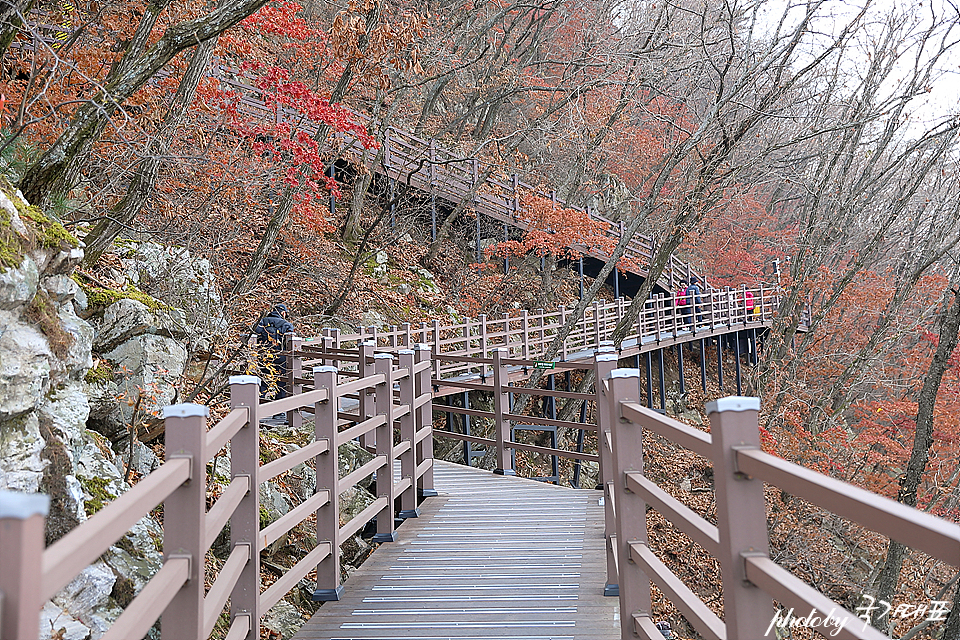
{"x":490,"y":557}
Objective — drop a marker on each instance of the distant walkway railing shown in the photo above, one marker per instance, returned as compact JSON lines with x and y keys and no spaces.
{"x":442,"y":173}
{"x":527,"y":335}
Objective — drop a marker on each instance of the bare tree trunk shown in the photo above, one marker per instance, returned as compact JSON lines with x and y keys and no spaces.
{"x":50,"y":171}
{"x":922,"y":440}
{"x":143,"y":183}
{"x":11,"y":20}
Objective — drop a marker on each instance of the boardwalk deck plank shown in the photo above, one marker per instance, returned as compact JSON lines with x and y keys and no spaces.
{"x":492,"y":557}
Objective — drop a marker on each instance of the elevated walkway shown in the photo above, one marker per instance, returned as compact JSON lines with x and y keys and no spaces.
{"x":490,"y":557}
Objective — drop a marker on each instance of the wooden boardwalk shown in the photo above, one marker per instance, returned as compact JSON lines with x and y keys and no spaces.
{"x":490,"y":557}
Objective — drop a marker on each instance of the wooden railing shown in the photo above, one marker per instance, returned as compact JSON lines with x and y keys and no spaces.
{"x":751,"y":581}
{"x":527,"y":335}
{"x":375,"y":396}
{"x":394,"y":390}
{"x":424,"y":164}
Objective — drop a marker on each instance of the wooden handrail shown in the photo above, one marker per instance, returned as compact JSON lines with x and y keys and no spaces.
{"x":740,"y":539}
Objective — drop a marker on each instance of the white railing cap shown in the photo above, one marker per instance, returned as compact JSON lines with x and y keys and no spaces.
{"x":624,"y":373}
{"x":186,"y":410}
{"x":369,"y":343}
{"x":325,"y":369}
{"x":607,"y":357}
{"x":381,"y":356}
{"x":733,"y":403}
{"x":20,"y":506}
{"x":405,"y":352}
{"x":244,"y":380}
{"x":422,"y":346}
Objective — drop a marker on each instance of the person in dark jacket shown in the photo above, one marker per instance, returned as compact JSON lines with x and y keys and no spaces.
{"x":270,"y":331}
{"x":694,"y":299}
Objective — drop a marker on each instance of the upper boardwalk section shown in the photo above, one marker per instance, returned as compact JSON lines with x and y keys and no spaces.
{"x":491,"y":557}
{"x":528,"y":336}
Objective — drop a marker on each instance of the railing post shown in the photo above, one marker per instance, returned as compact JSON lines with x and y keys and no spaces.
{"x":604,"y":363}
{"x":365,"y":368}
{"x":424,"y":443}
{"x":21,"y":557}
{"x":501,"y":406}
{"x":407,"y":337}
{"x":383,"y":401}
{"x":631,"y":518}
{"x":525,"y":333}
{"x":563,"y":322}
{"x":759,"y":304}
{"x":741,"y":515}
{"x":328,"y":478}
{"x":245,"y":521}
{"x":597,"y":333}
{"x":294,"y":373}
{"x":184,"y":512}
{"x":408,"y":433}
{"x":436,"y":348}
{"x":483,"y":335}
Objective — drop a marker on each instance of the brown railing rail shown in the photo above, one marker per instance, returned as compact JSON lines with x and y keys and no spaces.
{"x":751,"y":581}
{"x":528,"y":335}
{"x":394,"y":394}
{"x":386,"y":403}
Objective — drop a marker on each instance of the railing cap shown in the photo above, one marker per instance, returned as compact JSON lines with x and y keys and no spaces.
{"x":382,"y":356}
{"x":325,"y":369}
{"x":20,"y":506}
{"x":422,"y":346}
{"x":733,"y":403}
{"x":369,"y":343}
{"x":186,"y":410}
{"x":244,"y":380}
{"x":624,"y":373}
{"x":405,"y":352}
{"x":606,"y":343}
{"x":607,"y":357}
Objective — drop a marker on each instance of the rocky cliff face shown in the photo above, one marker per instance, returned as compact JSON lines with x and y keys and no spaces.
{"x":84,"y":360}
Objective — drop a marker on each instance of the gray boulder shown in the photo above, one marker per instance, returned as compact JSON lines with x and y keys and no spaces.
{"x":127,"y":318}
{"x":19,"y":286}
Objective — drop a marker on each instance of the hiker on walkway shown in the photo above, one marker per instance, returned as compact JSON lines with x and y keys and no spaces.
{"x":694,"y":301}
{"x":748,"y":304}
{"x":683,"y":302}
{"x":270,"y":331}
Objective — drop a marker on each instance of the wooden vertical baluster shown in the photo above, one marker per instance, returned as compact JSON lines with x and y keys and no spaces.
{"x":245,"y":521}
{"x":21,"y":557}
{"x":424,"y":425}
{"x":408,"y":433}
{"x":501,"y":406}
{"x":328,"y":477}
{"x":383,"y":406}
{"x":741,"y":514}
{"x":631,"y":520}
{"x":604,"y":364}
{"x":184,"y":513}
